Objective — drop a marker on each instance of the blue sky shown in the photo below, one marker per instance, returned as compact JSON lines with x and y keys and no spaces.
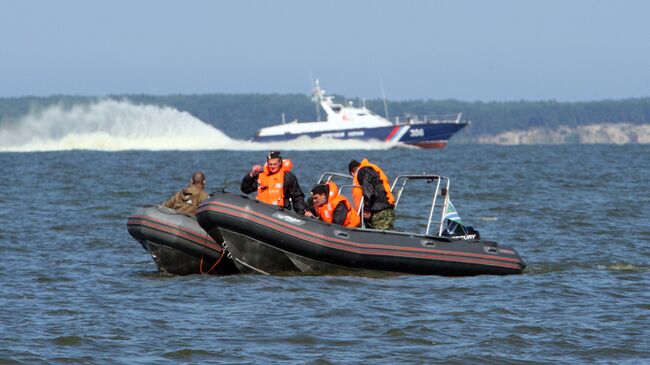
{"x":466,"y":50}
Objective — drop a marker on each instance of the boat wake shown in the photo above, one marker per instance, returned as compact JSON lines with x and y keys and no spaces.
{"x":112,"y":125}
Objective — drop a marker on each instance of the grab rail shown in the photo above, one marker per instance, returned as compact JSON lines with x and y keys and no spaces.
{"x":444,"y":191}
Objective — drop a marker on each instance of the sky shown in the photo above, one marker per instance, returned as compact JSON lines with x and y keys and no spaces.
{"x":496,"y":50}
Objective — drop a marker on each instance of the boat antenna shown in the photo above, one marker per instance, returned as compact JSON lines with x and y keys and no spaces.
{"x":315,"y":89}
{"x":383,"y":95}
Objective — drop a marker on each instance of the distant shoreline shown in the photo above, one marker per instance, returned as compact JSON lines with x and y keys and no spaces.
{"x":604,"y":133}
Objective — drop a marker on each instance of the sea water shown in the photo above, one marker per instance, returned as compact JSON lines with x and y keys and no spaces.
{"x":76,"y":288}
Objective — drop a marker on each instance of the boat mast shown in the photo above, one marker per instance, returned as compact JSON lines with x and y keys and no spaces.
{"x":325,"y":103}
{"x":315,"y":95}
{"x":383,"y":94}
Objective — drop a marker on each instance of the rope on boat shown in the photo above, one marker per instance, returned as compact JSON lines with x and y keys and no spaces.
{"x":251,"y":267}
{"x":205,"y":243}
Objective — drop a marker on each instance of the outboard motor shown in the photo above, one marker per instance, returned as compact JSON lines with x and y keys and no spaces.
{"x":459,"y":231}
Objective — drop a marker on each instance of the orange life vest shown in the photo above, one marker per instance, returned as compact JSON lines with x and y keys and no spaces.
{"x":334,"y":189}
{"x":270,"y":187}
{"x":326,"y":210}
{"x":357,"y":193}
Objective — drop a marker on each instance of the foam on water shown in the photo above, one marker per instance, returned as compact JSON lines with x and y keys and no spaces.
{"x":111,"y":125}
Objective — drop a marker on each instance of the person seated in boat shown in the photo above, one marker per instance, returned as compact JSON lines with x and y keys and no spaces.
{"x":309,"y":202}
{"x":275,"y":183}
{"x":332,"y":207}
{"x":187,"y":199}
{"x":378,"y":201}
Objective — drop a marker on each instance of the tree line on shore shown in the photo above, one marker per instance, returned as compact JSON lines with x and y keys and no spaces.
{"x":239,"y":115}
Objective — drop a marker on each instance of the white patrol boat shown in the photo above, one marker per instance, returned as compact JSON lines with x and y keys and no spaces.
{"x":350,"y":122}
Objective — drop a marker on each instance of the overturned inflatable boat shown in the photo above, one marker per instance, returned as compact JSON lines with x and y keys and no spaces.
{"x":177,"y":244}
{"x":268,"y":239}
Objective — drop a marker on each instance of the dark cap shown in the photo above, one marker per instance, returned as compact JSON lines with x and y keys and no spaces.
{"x":321,"y":189}
{"x":274,"y":154}
{"x":353,"y":164}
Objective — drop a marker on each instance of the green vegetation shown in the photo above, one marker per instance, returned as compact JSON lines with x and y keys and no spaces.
{"x":495,"y":117}
{"x":239,"y":115}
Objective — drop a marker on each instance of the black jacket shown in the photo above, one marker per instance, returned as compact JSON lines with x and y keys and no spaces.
{"x":374,"y":194}
{"x":340,"y":213}
{"x":291,"y":191}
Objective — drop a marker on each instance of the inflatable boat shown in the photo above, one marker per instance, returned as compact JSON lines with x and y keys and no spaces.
{"x":268,"y":239}
{"x":177,"y":244}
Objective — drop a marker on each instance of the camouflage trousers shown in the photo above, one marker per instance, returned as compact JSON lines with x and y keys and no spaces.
{"x":383,"y":219}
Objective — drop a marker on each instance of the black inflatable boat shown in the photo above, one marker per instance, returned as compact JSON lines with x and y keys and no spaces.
{"x":268,"y":239}
{"x":177,"y":244}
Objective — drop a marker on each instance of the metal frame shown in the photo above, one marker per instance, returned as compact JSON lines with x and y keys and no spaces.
{"x":442,"y":189}
{"x":330,"y":175}
{"x":440,"y":181}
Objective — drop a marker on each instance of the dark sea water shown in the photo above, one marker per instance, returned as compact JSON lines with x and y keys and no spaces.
{"x":76,"y":288}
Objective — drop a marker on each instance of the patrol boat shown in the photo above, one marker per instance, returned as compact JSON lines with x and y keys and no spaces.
{"x":176,"y":242}
{"x":350,"y":122}
{"x":267,"y":239}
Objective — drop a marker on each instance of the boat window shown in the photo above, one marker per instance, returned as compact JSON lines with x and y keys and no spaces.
{"x":336,"y":108}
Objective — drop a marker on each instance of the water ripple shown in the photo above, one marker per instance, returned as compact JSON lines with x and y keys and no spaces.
{"x":78,"y":289}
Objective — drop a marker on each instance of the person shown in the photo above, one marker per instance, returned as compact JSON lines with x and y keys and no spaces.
{"x":378,"y":200}
{"x":187,"y":199}
{"x":275,"y":183}
{"x":309,"y":203}
{"x":332,"y":207}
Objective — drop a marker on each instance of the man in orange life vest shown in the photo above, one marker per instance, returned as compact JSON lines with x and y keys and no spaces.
{"x":332,"y":207}
{"x":275,"y":184}
{"x":378,"y":200}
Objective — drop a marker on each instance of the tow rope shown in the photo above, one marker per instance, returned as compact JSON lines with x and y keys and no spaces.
{"x":223,"y":251}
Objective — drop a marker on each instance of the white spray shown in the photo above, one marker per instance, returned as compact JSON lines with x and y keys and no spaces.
{"x":112,"y":125}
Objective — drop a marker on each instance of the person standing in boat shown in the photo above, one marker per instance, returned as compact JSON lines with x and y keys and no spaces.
{"x":332,"y":207}
{"x":275,"y":183}
{"x":378,"y":200}
{"x":187,"y":199}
